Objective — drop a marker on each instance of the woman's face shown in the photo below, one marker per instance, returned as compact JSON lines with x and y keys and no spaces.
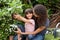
{"x":29,"y":15}
{"x":35,"y":14}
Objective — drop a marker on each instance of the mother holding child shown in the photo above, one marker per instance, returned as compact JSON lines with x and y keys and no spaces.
{"x":36,"y":22}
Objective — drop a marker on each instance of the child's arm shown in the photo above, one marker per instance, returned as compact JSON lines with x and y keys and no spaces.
{"x":11,"y":37}
{"x":19,"y":17}
{"x":19,"y":36}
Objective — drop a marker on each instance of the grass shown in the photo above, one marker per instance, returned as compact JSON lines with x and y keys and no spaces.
{"x":51,"y":37}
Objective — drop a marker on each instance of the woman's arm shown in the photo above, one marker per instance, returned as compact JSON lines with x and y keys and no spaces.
{"x":20,"y":18}
{"x":40,"y":29}
{"x":35,"y":32}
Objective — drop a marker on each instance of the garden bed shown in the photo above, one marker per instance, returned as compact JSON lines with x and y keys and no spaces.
{"x":50,"y":36}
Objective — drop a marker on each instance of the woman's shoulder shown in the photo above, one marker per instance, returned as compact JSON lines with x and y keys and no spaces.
{"x":47,"y":22}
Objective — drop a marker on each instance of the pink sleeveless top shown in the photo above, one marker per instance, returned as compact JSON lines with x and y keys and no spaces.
{"x":30,"y":27}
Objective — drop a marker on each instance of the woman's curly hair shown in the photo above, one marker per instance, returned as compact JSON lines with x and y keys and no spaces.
{"x":41,"y":11}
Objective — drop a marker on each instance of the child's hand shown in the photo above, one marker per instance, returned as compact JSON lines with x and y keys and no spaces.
{"x":16,"y":16}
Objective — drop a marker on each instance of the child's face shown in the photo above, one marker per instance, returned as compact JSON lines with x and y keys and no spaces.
{"x":29,"y":15}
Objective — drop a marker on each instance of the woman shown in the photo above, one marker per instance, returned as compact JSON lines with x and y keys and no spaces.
{"x":41,"y":20}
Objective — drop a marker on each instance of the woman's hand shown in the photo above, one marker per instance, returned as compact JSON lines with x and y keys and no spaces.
{"x":18,"y":31}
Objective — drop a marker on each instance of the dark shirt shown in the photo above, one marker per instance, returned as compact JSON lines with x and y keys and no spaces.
{"x":46,"y":25}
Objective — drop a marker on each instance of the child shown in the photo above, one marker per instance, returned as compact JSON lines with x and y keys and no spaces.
{"x":29,"y":24}
{"x":29,"y":27}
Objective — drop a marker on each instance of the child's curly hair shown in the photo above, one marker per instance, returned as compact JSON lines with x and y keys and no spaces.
{"x":29,"y":10}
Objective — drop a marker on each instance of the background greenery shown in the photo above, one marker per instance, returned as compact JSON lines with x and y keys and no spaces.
{"x":7,"y":7}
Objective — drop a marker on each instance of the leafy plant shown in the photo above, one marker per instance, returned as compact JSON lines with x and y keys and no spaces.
{"x":5,"y":16}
